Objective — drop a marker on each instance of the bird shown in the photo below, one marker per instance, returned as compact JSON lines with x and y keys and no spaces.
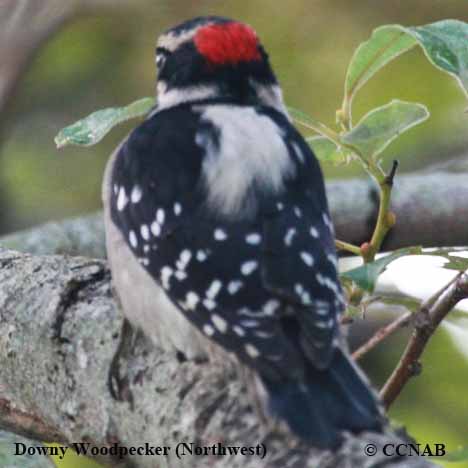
{"x":219,"y":236}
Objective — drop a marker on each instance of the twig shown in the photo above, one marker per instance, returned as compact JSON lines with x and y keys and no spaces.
{"x":402,"y":321}
{"x":391,"y":175}
{"x":382,"y":334}
{"x":27,"y":424}
{"x":429,"y":317}
{"x":346,"y":246}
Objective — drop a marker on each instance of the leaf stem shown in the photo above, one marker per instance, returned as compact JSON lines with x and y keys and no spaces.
{"x":385,"y":218}
{"x":320,"y":128}
{"x":343,"y":115}
{"x":341,"y":245}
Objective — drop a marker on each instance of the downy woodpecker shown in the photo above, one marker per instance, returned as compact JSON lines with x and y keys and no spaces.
{"x":218,"y":231}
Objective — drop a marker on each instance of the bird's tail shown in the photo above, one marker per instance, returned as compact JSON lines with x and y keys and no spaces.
{"x":326,"y":403}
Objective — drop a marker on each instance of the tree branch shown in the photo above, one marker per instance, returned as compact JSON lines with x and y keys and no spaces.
{"x":382,"y":334}
{"x":431,"y":210}
{"x":427,"y":320}
{"x":59,"y":329}
{"x":25,"y":25}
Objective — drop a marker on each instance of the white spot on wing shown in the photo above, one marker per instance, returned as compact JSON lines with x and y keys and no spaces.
{"x":289,"y":236}
{"x":234,"y":286}
{"x":220,"y":235}
{"x":328,"y":283}
{"x":214,"y":289}
{"x":250,"y":323}
{"x":252,"y":351}
{"x":184,"y":259}
{"x":180,"y":275}
{"x":177,"y":208}
{"x":166,"y":273}
{"x":219,"y":323}
{"x":160,"y":215}
{"x":201,"y":255}
{"x":332,"y":259}
{"x":270,"y":307}
{"x":238,"y":330}
{"x":133,"y":239}
{"x":263,"y":334}
{"x":249,"y":267}
{"x":321,"y":308}
{"x":297,"y":211}
{"x":298,"y":152}
{"x":249,"y":313}
{"x":209,"y":304}
{"x":122,"y":199}
{"x":145,"y":232}
{"x":314,"y":233}
{"x":136,"y":194}
{"x":155,"y":229}
{"x":253,"y":238}
{"x":208,"y":330}
{"x":327,"y":221}
{"x":324,"y":324}
{"x":305,"y":297}
{"x":307,"y":258}
{"x":192,"y":300}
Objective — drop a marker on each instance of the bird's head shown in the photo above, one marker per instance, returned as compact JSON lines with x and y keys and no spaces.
{"x":214,"y":58}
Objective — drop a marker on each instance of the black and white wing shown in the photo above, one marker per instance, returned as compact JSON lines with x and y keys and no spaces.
{"x":261,"y":283}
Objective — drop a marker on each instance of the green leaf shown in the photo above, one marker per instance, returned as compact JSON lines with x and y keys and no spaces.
{"x":312,"y":124}
{"x":381,"y":126}
{"x":459,"y":455}
{"x":385,"y":44}
{"x":303,"y":119}
{"x":366,"y":275}
{"x":444,"y":44}
{"x":92,"y":129}
{"x":327,"y":151}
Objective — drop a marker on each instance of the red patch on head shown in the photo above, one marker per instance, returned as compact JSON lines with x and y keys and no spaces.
{"x":227,"y":44}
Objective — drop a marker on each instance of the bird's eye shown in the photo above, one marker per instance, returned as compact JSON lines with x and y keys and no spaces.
{"x":160,"y":60}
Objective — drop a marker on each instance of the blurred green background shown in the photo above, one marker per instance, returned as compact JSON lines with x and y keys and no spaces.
{"x":104,"y":57}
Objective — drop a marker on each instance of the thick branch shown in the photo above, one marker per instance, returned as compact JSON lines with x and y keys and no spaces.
{"x":81,"y":236}
{"x":431,"y":210}
{"x":24,"y":27}
{"x":59,"y":328}
{"x":428,"y":319}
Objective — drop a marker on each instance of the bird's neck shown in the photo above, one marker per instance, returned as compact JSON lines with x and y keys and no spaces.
{"x":254,"y":93}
